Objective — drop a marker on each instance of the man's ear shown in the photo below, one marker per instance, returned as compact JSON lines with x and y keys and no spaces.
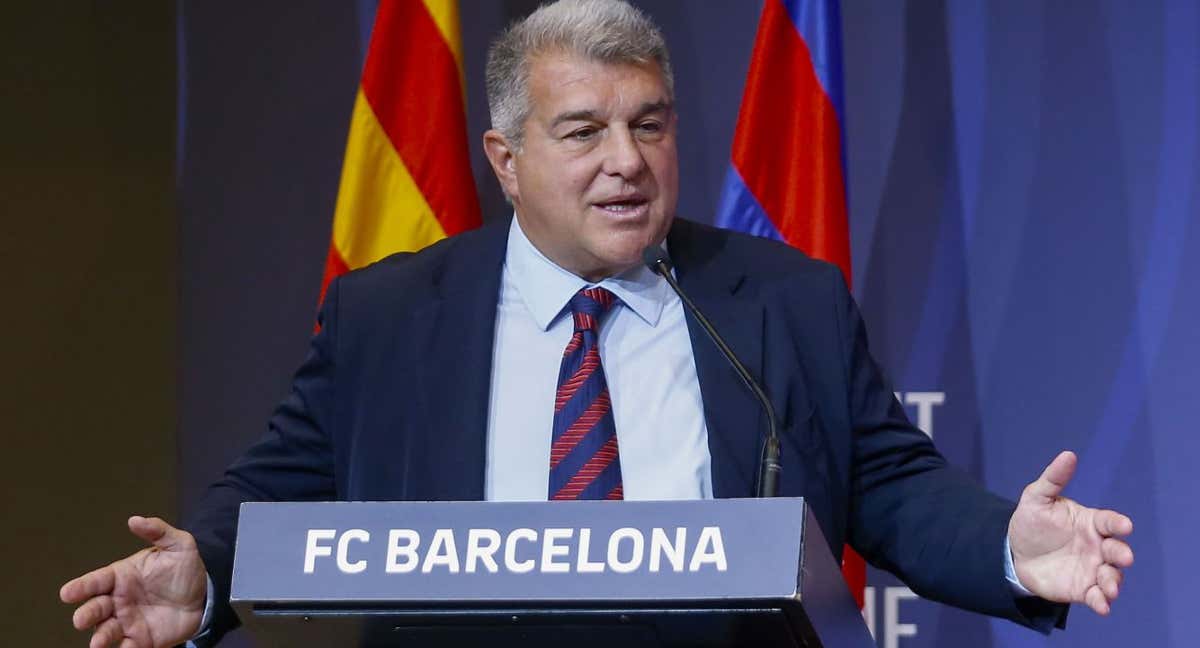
{"x":501,"y":154}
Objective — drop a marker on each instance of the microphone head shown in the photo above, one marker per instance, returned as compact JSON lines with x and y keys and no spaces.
{"x":655,"y":258}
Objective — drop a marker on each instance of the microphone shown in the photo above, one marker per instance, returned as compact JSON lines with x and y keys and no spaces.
{"x":769,"y":468}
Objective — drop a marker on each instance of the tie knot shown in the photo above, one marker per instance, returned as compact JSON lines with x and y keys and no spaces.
{"x":588,"y":307}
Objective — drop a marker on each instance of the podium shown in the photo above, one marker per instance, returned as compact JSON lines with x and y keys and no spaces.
{"x":733,"y":572}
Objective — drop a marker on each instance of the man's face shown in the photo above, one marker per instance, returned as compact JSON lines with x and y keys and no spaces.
{"x":597,"y":178}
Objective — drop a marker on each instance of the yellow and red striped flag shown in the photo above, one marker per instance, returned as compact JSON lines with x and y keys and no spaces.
{"x":406,"y":179}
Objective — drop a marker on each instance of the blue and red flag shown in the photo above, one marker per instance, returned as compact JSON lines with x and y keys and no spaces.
{"x":787,"y":176}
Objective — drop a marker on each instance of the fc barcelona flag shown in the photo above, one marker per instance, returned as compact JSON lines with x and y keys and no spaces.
{"x":406,"y":179}
{"x":786,"y":179}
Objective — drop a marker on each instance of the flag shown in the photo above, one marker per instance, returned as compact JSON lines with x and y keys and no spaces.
{"x":406,"y":178}
{"x":786,"y":178}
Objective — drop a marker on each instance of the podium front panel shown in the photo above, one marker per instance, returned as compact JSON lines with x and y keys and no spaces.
{"x":519,"y":551}
{"x":682,"y":573}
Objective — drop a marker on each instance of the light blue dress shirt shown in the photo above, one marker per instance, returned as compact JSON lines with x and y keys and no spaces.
{"x":647,"y":358}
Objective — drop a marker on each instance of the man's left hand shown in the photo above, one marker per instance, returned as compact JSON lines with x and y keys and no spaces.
{"x":1063,"y":551}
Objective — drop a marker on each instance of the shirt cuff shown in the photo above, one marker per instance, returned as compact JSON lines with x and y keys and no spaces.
{"x":206,"y":620}
{"x":1010,"y":572}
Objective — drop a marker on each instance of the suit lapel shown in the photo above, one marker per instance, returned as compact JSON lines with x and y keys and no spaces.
{"x":733,"y":417}
{"x":458,"y":329}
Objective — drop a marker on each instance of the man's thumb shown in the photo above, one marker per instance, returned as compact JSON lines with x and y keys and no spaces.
{"x":1055,"y":477}
{"x":154,"y":531}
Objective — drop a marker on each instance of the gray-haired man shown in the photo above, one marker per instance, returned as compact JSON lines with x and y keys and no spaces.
{"x":584,"y":145}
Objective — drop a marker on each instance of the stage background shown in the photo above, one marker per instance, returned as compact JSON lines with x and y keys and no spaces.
{"x":1022,"y":181}
{"x":88,"y":316}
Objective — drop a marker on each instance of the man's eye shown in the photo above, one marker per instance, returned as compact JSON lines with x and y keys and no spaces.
{"x":650,"y":127}
{"x":582,"y":135}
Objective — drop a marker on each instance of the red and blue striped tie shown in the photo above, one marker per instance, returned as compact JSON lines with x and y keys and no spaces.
{"x":584,"y":461}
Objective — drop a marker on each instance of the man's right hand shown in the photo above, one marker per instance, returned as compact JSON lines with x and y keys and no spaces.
{"x":153,"y":598}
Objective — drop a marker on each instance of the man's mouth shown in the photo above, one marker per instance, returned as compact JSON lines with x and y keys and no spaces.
{"x":628,"y":205}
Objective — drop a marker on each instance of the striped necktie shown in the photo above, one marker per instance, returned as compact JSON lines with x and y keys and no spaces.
{"x":584,"y":461}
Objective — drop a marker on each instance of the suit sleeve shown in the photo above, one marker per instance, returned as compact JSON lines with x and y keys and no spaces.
{"x":292,"y":462}
{"x":913,"y":514}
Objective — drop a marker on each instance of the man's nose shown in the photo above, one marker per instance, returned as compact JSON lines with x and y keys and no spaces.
{"x":622,"y":155}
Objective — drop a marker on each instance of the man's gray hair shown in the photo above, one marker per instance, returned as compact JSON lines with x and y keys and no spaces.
{"x":608,"y":31}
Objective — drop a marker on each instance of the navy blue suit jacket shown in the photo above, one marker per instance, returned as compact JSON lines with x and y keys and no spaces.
{"x":392,"y":402}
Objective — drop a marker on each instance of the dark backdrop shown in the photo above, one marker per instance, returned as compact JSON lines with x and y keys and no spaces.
{"x":88,"y":250}
{"x":1022,"y":182}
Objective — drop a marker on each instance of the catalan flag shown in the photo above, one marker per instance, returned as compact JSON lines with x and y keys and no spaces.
{"x":406,"y":179}
{"x":786,"y":179}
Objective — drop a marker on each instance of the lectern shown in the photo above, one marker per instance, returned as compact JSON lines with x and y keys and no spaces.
{"x":734,"y":572}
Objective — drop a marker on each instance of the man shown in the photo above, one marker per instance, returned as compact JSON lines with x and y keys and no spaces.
{"x":539,"y":359}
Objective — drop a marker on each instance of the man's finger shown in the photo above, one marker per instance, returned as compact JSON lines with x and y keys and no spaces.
{"x":1095,"y":599}
{"x":1109,"y":579}
{"x":93,"y":612}
{"x":1111,"y":523}
{"x":1055,"y":477}
{"x":1116,"y":552}
{"x":154,"y":531}
{"x":98,"y":581}
{"x":106,"y":634}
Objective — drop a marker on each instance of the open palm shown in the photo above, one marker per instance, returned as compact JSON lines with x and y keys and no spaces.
{"x":152,"y":598}
{"x":1064,"y":551}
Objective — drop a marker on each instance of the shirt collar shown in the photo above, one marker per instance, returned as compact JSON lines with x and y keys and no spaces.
{"x":545,"y":287}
